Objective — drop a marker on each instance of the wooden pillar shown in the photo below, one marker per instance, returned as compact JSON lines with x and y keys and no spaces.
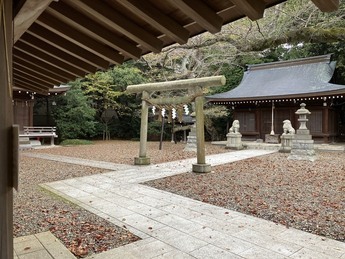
{"x":325,"y":128}
{"x":257,"y":122}
{"x":200,"y":166}
{"x":6,"y":121}
{"x":143,"y":159}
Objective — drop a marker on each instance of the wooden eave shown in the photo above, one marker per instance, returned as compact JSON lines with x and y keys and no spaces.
{"x":60,"y":40}
{"x":337,"y":94}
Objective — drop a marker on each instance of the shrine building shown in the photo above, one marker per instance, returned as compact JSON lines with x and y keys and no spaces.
{"x":272,"y":92}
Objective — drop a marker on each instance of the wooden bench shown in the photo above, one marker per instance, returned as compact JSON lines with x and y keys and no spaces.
{"x":40,"y":132}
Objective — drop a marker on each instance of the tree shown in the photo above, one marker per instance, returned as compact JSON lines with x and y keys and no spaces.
{"x":106,"y":90}
{"x":74,"y":115}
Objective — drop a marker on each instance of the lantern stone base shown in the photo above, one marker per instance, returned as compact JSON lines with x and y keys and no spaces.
{"x":201,"y":168}
{"x":286,"y":143}
{"x":234,"y":141}
{"x":302,"y":148}
{"x":191,"y":144}
{"x":191,"y":141}
{"x":141,"y":160}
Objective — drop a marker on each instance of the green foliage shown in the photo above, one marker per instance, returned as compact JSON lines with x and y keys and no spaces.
{"x":125,"y":75}
{"x":73,"y":115}
{"x":338,"y":50}
{"x":154,"y":128}
{"x":216,"y":119}
{"x":75,"y":142}
{"x":106,"y":90}
{"x":233,"y":75}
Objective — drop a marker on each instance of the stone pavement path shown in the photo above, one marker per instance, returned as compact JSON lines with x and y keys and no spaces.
{"x":40,"y":246}
{"x":172,"y":226}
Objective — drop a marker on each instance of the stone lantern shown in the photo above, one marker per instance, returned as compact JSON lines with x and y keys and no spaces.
{"x":302,"y":144}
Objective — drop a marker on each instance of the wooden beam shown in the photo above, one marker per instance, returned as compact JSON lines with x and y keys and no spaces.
{"x":254,"y":9}
{"x":8,"y":161}
{"x":37,"y":85}
{"x":327,"y":5}
{"x":60,"y":28}
{"x":27,"y":16}
{"x":33,"y":86}
{"x":30,"y":87}
{"x":36,"y":75}
{"x":18,"y":72}
{"x":65,"y":45}
{"x":119,"y":22}
{"x":38,"y":54}
{"x":201,"y":13}
{"x":45,"y":66}
{"x":86,"y":25}
{"x":157,"y":19}
{"x":40,"y":71}
{"x":57,"y":53}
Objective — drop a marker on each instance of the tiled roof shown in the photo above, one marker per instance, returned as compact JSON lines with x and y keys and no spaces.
{"x":294,"y":78}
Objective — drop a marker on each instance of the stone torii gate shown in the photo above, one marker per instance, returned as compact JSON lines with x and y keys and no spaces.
{"x":195,"y":93}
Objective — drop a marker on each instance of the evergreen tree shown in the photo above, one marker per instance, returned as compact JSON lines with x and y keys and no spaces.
{"x":74,"y":115}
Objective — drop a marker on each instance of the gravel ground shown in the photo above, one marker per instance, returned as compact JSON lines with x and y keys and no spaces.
{"x":309,"y":196}
{"x":305,"y":195}
{"x":123,"y":152}
{"x":36,"y":210}
{"x":83,"y":233}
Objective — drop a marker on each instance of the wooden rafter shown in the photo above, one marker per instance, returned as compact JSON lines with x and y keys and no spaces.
{"x":71,"y":17}
{"x":62,"y":29}
{"x":254,"y":9}
{"x":67,"y":46}
{"x":154,"y":17}
{"x":42,"y":80}
{"x":200,"y":13}
{"x":34,"y":74}
{"x":327,"y":6}
{"x":119,"y":22}
{"x":57,"y":53}
{"x":27,"y":16}
{"x":38,"y":54}
{"x":43,"y":65}
{"x":35,"y":69}
{"x":31,"y":85}
{"x":30,"y":79}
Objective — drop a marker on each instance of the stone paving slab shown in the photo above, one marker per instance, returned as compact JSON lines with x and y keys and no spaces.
{"x":174,"y":226}
{"x":40,"y":246}
{"x":78,"y":161}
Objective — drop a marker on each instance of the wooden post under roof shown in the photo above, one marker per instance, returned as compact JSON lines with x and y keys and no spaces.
{"x":6,"y":119}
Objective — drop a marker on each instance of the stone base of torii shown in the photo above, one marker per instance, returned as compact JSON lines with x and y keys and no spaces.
{"x":195,"y":89}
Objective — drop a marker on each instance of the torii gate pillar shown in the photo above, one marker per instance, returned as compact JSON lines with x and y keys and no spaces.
{"x":195,"y":85}
{"x":143,"y":159}
{"x":200,"y":166}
